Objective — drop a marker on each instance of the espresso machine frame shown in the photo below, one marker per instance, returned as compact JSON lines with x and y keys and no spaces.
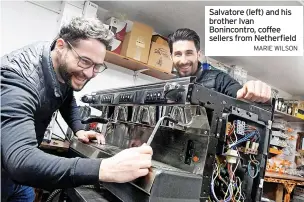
{"x":219,"y":110}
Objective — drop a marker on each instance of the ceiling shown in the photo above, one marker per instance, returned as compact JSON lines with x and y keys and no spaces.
{"x":285,"y":73}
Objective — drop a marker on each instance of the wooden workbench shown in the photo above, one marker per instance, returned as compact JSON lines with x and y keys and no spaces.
{"x":283,"y":180}
{"x":55,"y":145}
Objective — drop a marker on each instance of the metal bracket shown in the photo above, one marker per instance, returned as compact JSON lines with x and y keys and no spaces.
{"x":269,"y":124}
{"x":244,"y":113}
{"x":135,"y":74}
{"x":139,"y":71}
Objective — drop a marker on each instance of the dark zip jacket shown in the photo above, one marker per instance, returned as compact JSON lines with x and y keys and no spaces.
{"x":217,"y":80}
{"x":30,"y":94}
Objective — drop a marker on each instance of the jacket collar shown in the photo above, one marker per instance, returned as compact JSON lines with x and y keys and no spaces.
{"x":48,"y":69}
{"x":199,"y":71}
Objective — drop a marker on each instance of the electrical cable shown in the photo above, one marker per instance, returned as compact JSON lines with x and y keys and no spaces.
{"x":239,"y":190}
{"x":62,"y":139}
{"x":217,"y":171}
{"x":244,"y":139}
{"x":257,"y":168}
{"x":234,"y":184}
{"x":69,"y":140}
{"x":53,"y":195}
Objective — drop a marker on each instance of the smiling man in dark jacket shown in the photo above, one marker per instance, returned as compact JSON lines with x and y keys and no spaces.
{"x":185,"y":51}
{"x":36,"y":81}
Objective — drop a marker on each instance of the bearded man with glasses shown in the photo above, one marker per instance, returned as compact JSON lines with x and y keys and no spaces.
{"x":39,"y":79}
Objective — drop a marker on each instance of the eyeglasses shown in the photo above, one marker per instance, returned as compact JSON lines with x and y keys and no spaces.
{"x":87,"y":63}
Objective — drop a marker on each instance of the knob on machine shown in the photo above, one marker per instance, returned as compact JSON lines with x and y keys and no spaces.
{"x":88,"y":98}
{"x":173,"y":91}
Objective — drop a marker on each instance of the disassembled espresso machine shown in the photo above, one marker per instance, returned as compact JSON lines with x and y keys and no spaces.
{"x":206,"y":146}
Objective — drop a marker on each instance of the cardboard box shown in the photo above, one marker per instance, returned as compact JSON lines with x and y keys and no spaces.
{"x":160,"y":40}
{"x":115,"y":46}
{"x":118,"y":27}
{"x":301,"y":105}
{"x":159,"y":57}
{"x":137,"y":42}
{"x":296,"y":106}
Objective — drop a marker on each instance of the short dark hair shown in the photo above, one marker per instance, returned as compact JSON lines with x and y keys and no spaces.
{"x":184,"y":34}
{"x":85,"y":28}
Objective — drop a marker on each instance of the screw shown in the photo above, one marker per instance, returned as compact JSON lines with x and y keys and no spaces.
{"x":181,"y":158}
{"x":217,"y":135}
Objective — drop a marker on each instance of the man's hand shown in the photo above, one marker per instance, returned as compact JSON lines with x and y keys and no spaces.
{"x":127,"y":165}
{"x":255,"y":91}
{"x":86,"y":136}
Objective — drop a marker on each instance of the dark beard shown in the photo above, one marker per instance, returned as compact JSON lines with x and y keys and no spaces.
{"x":190,"y":73}
{"x":65,"y":75}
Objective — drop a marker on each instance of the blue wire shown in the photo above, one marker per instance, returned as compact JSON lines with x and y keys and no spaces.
{"x":249,"y":169}
{"x":244,"y":139}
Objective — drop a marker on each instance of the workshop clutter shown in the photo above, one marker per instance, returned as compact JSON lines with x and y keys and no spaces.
{"x":115,"y":46}
{"x":118,"y":27}
{"x":277,"y":165}
{"x":285,"y":106}
{"x":290,"y":107}
{"x":298,"y":195}
{"x":136,"y":44}
{"x":279,"y":136}
{"x":299,"y":109}
{"x":282,"y":149}
{"x":159,"y":56}
{"x":134,"y":40}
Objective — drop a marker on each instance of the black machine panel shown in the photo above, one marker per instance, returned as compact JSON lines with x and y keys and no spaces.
{"x":215,"y":144}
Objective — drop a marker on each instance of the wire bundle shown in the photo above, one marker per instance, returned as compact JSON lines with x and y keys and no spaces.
{"x":234,"y":185}
{"x":215,"y":175}
{"x":229,"y":186}
{"x":256,"y":166}
{"x":244,"y":139}
{"x":251,"y":133}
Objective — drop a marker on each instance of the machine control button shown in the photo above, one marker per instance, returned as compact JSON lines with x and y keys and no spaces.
{"x":195,"y":159}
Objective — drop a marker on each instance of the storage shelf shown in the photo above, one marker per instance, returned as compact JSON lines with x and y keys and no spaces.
{"x":135,"y":65}
{"x":288,"y":117}
{"x":275,"y":151}
{"x":277,"y":128}
{"x":280,"y":136}
{"x":277,"y":145}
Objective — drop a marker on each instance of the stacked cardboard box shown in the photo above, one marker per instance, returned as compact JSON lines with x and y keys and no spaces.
{"x":140,"y":45}
{"x":137,"y":42}
{"x":159,"y":57}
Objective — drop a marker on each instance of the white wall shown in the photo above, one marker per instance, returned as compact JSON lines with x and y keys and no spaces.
{"x":23,"y":23}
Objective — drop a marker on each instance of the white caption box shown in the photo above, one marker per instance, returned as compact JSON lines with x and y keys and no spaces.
{"x":254,"y":30}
